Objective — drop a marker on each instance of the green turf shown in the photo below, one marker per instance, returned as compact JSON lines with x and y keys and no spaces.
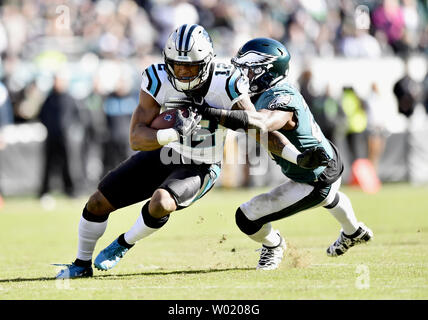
{"x":201,"y":254}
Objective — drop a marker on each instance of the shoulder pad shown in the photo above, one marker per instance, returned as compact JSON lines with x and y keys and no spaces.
{"x":151,"y":81}
{"x":236,"y":84}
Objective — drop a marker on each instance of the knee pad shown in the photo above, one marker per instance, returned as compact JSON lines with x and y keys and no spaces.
{"x":87,"y":215}
{"x":150,"y":221}
{"x":246,"y":225}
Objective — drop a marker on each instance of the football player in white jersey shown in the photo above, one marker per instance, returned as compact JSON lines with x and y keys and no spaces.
{"x":170,"y":169}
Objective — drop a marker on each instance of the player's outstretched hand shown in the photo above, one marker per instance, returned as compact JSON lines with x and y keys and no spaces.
{"x":313,"y":158}
{"x":186,"y":126}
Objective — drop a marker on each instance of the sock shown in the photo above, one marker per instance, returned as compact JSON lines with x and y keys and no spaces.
{"x":91,"y":228}
{"x":267,"y":236}
{"x":144,"y":226}
{"x":83,"y":263}
{"x":344,"y":213}
{"x":123,"y":243}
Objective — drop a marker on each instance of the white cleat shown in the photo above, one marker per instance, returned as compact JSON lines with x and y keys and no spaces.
{"x":271,"y":257}
{"x":344,"y":242}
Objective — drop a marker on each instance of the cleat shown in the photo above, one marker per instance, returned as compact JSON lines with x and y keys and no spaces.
{"x":271,"y":257}
{"x":110,"y":256}
{"x":344,"y":242}
{"x":72,"y":271}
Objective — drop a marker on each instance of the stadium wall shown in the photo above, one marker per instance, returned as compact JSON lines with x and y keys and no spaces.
{"x":405,"y":157}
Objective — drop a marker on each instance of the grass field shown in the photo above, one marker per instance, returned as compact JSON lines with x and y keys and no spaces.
{"x":201,"y":254}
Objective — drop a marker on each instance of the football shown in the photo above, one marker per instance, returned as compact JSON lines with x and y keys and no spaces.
{"x":166,"y":119}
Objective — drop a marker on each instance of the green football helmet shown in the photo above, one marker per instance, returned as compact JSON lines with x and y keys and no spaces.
{"x":265,"y":62}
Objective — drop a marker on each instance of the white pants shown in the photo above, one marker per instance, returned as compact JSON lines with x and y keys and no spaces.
{"x":287,"y":199}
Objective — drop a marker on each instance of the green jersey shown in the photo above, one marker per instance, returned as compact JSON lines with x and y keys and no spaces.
{"x":307,"y":133}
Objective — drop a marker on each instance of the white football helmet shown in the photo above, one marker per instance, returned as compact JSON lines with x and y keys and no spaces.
{"x":189,"y":45}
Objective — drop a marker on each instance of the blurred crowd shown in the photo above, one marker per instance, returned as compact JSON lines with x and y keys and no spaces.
{"x":65,"y":61}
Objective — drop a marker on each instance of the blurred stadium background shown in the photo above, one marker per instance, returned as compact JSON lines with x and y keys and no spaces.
{"x":361,"y":65}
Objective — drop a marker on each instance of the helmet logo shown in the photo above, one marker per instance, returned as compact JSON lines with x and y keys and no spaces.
{"x":251,"y":58}
{"x":207,"y":36}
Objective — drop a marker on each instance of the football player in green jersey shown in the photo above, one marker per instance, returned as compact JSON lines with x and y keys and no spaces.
{"x":313,"y":180}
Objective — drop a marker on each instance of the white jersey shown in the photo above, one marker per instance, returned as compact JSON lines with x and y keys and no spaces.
{"x":227,"y":86}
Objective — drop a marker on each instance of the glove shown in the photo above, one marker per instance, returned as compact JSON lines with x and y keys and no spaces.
{"x":195,"y":104}
{"x":206,"y":111}
{"x":179,"y":103}
{"x":313,"y":158}
{"x":186,"y":126}
{"x":199,"y":103}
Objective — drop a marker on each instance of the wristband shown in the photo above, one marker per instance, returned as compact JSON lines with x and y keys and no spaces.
{"x":165,"y":136}
{"x":290,"y":153}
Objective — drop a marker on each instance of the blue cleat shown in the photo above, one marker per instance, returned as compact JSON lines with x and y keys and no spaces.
{"x":72,"y":271}
{"x":110,"y":256}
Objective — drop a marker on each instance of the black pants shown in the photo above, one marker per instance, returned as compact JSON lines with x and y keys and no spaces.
{"x":56,"y":158}
{"x":136,"y":178}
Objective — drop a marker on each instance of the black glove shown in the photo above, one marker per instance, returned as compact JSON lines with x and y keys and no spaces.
{"x":197,"y":105}
{"x":194,"y":104}
{"x":215,"y":115}
{"x":186,"y":126}
{"x":200,"y":106}
{"x":186,"y":103}
{"x":313,"y":158}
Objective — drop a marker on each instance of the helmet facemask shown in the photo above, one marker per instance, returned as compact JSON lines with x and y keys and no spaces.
{"x":260,"y":76}
{"x":191,"y":82}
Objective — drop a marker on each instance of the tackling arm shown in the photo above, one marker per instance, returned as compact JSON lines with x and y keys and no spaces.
{"x":244,"y":116}
{"x":271,"y":121}
{"x":277,"y":143}
{"x":262,"y":120}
